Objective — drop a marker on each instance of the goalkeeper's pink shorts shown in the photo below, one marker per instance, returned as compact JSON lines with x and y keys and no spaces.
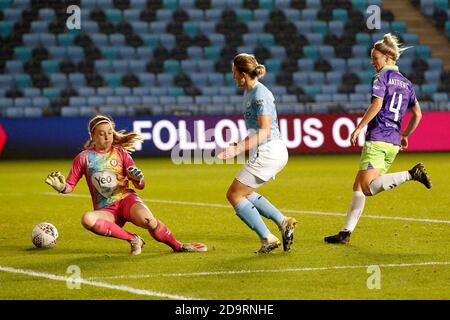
{"x":122,"y":209}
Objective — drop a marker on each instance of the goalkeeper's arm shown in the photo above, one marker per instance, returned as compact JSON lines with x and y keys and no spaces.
{"x":137,"y":177}
{"x":57,"y":181}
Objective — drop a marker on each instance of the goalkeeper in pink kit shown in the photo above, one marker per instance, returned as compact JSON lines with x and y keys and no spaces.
{"x":108,"y":168}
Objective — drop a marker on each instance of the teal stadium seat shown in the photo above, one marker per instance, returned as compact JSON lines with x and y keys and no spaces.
{"x":311,"y":90}
{"x":170,"y":4}
{"x":191,"y":28}
{"x":442,"y":4}
{"x":6,"y":28}
{"x":110,"y":53}
{"x":266,"y":4}
{"x":423,"y":51}
{"x":212,"y":53}
{"x":363,"y":39}
{"x":311,"y":52}
{"x":340,"y":15}
{"x":66,"y":39}
{"x":172,"y":66}
{"x":398,"y":27}
{"x":273,"y":65}
{"x":5,"y":4}
{"x":365,"y":76}
{"x":245,"y":15}
{"x":112,"y":79}
{"x":266,"y":40}
{"x":50,"y":66}
{"x":114,"y":16}
{"x":22,"y":80}
{"x":175,"y":91}
{"x":360,"y":5}
{"x":447,"y":28}
{"x":151,"y":40}
{"x":319,"y":27}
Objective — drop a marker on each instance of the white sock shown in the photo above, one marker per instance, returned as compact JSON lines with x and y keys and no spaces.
{"x":271,"y":238}
{"x":388,"y":181}
{"x":355,"y":210}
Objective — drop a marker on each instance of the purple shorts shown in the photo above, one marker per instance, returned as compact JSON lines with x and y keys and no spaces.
{"x":121,"y":209}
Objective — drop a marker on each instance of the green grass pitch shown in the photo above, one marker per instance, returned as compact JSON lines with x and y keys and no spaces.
{"x":412,"y":254}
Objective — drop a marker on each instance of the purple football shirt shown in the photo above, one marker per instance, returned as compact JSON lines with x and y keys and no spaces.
{"x":398,"y":95}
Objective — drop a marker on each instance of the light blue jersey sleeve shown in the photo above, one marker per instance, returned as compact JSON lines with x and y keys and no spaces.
{"x":260,"y":102}
{"x":264,"y":102}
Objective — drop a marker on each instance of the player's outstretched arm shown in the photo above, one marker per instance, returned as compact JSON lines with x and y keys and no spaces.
{"x":57,"y":181}
{"x":137,"y":176}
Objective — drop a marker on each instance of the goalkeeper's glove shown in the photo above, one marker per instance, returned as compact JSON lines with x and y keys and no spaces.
{"x":136,"y":174}
{"x":57,"y":181}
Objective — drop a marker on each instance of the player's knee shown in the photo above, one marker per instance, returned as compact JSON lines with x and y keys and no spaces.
{"x":151,"y":223}
{"x":231,"y":196}
{"x":88,"y":220}
{"x":362,"y":187}
{"x":366,"y":190}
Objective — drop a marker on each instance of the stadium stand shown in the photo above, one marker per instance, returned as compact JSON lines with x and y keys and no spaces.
{"x":134,"y":57}
{"x":438,"y":11}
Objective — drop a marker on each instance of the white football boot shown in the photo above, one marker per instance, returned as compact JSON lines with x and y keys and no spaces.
{"x":136,"y":245}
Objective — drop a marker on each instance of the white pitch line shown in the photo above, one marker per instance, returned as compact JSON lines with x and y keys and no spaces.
{"x":217,"y":205}
{"x":142,"y":292}
{"x":233,"y":272}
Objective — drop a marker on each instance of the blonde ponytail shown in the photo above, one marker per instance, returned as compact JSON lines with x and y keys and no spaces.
{"x":390,"y":46}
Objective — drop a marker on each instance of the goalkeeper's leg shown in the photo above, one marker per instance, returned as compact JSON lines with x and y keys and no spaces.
{"x":103,"y":223}
{"x":140,"y":215}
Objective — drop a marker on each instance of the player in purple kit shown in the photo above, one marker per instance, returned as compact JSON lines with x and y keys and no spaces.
{"x":108,"y":167}
{"x":392,"y":95}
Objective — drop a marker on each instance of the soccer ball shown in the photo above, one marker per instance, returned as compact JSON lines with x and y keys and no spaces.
{"x":44,"y":235}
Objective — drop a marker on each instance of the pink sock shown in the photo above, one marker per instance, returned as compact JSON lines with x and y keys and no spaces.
{"x":162,"y":234}
{"x":110,"y":229}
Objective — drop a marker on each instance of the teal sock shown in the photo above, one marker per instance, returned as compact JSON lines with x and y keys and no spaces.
{"x":250,"y":215}
{"x":266,"y":208}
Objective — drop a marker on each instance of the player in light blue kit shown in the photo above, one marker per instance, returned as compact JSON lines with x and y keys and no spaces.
{"x":270,"y":157}
{"x":392,"y":95}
